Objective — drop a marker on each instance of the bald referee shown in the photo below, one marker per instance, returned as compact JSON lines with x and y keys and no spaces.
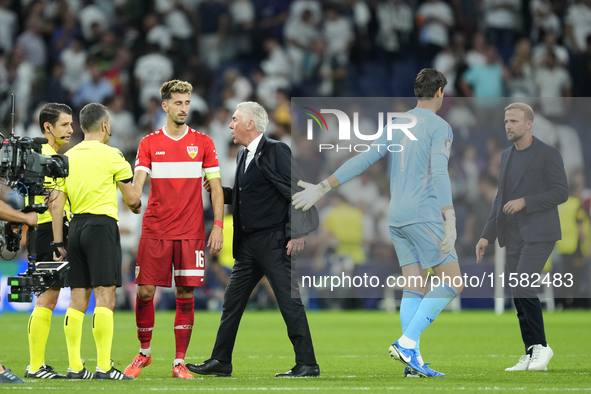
{"x":94,"y":250}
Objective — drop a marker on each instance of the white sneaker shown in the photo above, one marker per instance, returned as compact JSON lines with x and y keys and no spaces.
{"x":540,"y":357}
{"x":522,"y":364}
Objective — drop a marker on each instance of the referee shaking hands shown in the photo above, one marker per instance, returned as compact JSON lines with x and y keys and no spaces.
{"x":94,"y":250}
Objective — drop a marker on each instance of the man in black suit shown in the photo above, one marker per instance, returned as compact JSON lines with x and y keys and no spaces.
{"x":266,"y":234}
{"x":524,"y":217}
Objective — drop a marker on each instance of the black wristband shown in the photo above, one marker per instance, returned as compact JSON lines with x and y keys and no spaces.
{"x":55,"y":246}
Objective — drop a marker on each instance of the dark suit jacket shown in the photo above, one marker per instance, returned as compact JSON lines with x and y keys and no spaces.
{"x":275,"y":161}
{"x":542,"y":182}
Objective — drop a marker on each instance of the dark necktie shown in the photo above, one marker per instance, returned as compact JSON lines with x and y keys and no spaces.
{"x":242,"y":164}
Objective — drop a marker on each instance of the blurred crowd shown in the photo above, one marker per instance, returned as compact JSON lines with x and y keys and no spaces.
{"x":119,"y":52}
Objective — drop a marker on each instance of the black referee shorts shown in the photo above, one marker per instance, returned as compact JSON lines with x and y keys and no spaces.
{"x":43,"y":242}
{"x":44,"y":239}
{"x":94,"y":252}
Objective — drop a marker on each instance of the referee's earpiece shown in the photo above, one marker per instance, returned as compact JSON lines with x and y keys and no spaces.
{"x":106,"y":129}
{"x":104,"y":124}
{"x":48,"y":130}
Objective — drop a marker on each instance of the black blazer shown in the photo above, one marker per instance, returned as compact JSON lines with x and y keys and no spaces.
{"x":275,"y":161}
{"x":542,"y":182}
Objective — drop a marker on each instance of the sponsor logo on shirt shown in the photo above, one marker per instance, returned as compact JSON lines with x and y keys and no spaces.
{"x":160,"y":152}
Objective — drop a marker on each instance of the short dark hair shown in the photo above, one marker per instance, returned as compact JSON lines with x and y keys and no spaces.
{"x":51,"y":112}
{"x":92,"y":115}
{"x":428,"y":82}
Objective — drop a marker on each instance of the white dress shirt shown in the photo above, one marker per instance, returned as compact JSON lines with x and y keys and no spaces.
{"x":252,"y":148}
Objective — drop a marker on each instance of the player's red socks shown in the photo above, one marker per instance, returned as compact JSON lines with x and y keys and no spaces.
{"x":183,"y":325}
{"x":144,"y":318}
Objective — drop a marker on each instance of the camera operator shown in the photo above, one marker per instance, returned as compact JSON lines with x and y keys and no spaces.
{"x":11,"y":215}
{"x":94,"y":249}
{"x":55,"y":121}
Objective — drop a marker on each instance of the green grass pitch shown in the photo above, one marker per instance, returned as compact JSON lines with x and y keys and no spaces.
{"x":472,"y":348}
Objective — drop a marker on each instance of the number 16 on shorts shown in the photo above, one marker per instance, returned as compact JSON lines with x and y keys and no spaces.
{"x":200,"y":258}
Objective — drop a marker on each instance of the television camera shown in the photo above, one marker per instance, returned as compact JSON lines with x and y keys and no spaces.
{"x":24,"y":168}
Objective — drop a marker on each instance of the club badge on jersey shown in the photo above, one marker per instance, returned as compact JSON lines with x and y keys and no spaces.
{"x":192,"y":151}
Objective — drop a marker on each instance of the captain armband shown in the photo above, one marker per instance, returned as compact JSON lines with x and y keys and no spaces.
{"x":212,"y":175}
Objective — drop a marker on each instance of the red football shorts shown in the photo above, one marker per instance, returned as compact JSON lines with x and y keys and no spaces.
{"x":158,"y":258}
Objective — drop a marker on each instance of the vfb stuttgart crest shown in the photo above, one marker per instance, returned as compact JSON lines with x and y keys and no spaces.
{"x":192,"y":151}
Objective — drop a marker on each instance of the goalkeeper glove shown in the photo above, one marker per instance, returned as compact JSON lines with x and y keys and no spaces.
{"x":450,"y":231}
{"x":310,"y":195}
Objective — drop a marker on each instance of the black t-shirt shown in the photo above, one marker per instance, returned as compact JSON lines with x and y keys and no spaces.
{"x":514,"y":167}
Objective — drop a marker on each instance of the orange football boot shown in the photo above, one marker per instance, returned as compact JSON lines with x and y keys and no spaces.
{"x":140,"y":361}
{"x":180,"y":371}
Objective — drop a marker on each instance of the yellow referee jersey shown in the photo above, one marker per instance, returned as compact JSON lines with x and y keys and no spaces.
{"x":95,"y":169}
{"x":51,"y":184}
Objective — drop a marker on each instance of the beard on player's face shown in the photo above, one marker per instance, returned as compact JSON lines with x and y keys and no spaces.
{"x":176,"y":119}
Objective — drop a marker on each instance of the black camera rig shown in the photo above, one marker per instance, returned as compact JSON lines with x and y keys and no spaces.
{"x":24,"y":169}
{"x":46,"y":274}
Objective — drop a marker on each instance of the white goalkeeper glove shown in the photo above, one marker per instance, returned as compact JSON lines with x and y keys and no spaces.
{"x":450,"y":231}
{"x":305,"y":199}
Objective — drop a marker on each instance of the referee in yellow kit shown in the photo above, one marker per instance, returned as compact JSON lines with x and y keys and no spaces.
{"x":94,"y":250}
{"x":55,"y":121}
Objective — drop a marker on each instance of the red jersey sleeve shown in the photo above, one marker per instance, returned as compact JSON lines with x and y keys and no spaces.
{"x":210,"y":157}
{"x":143,"y":160}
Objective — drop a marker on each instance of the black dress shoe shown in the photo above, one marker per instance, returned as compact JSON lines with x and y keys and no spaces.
{"x":211,"y":367}
{"x":300,"y":371}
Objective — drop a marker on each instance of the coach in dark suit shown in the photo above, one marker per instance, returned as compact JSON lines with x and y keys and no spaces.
{"x":263,"y":242}
{"x":524,"y":217}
